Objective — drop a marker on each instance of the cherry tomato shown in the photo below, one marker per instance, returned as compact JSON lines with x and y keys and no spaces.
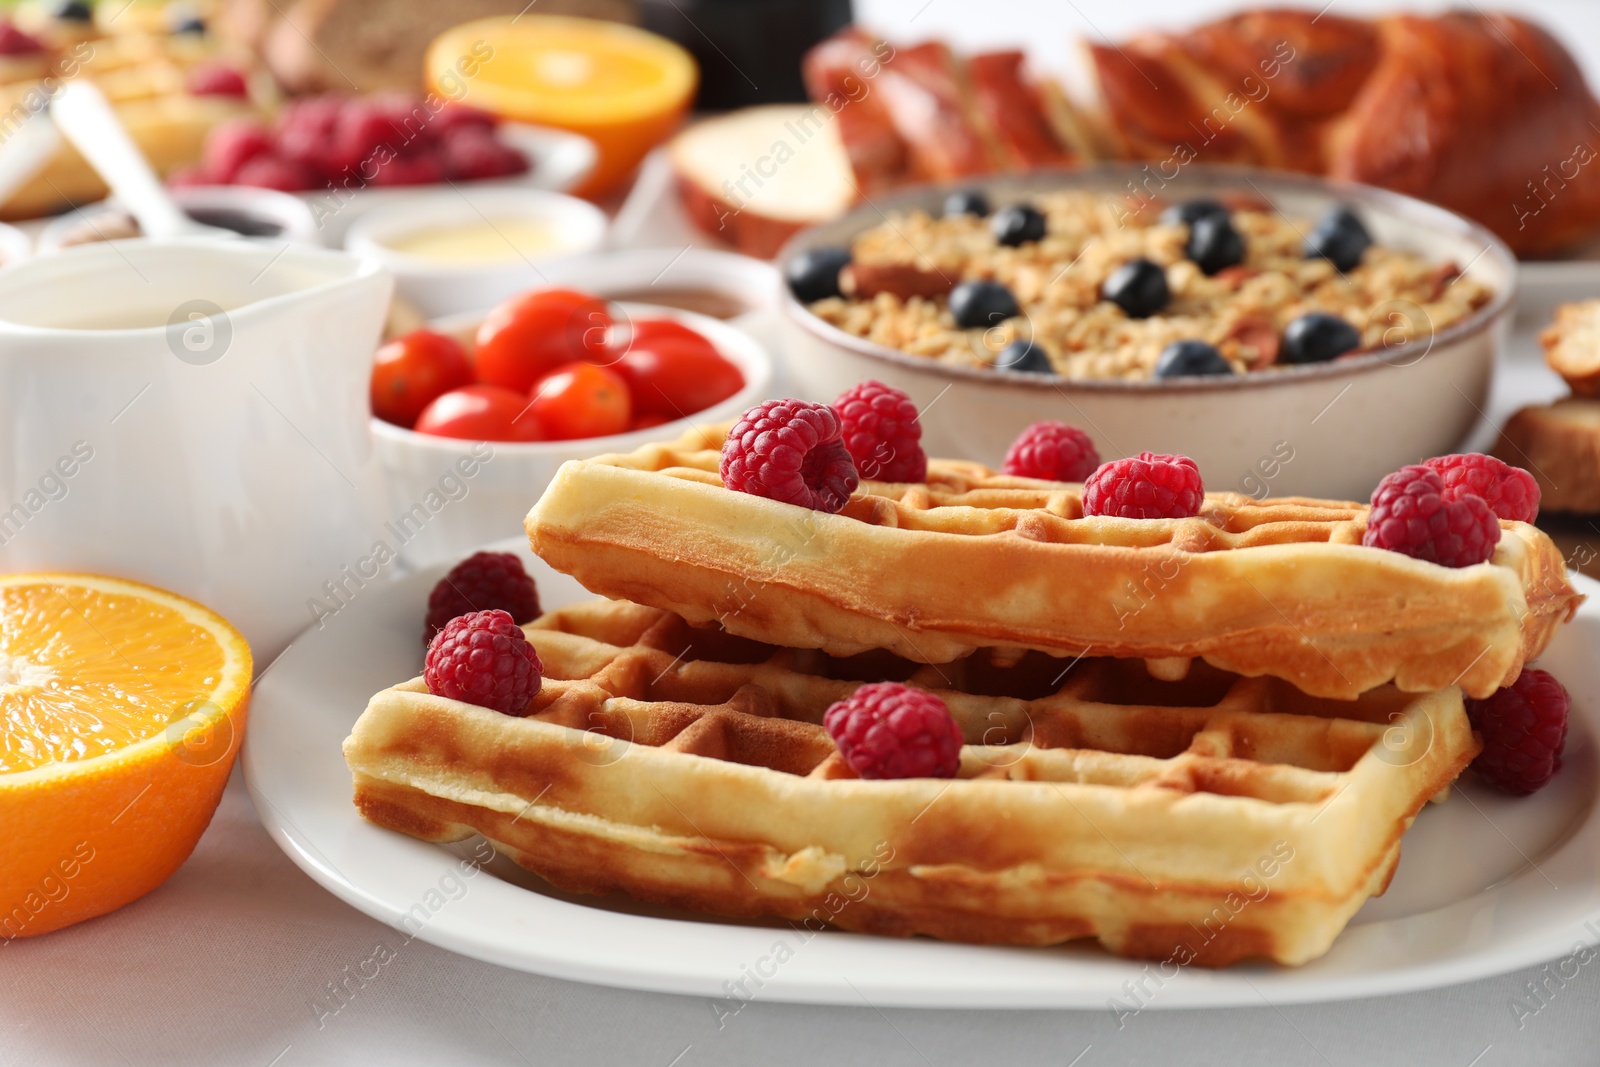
{"x":481,"y":413}
{"x":582,"y":400}
{"x":407,"y":373}
{"x":644,"y":422}
{"x":672,"y":376}
{"x":530,"y":335}
{"x":647,"y":330}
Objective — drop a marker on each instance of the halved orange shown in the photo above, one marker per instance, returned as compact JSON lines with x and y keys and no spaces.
{"x":622,"y":87}
{"x":121,"y":709}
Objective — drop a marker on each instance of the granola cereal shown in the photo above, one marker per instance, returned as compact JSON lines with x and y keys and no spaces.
{"x":1390,"y":297}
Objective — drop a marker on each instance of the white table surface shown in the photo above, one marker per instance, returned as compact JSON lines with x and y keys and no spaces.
{"x":235,"y":959}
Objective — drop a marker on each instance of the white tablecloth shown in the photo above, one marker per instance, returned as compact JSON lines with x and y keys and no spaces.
{"x":235,"y":961}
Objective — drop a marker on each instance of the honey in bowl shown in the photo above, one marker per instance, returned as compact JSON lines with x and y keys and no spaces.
{"x":484,"y":241}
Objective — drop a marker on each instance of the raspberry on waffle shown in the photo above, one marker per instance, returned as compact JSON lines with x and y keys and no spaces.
{"x":1208,"y":819}
{"x":974,"y":559}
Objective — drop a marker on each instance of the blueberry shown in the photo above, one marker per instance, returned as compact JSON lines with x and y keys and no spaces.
{"x":1191,"y":211}
{"x":1189,"y":359}
{"x":1138,"y":287}
{"x":74,"y":11}
{"x":1017,"y":224}
{"x":976,"y":304}
{"x":1316,"y":337}
{"x":1214,"y":243}
{"x":1340,"y":238}
{"x":967,"y":202}
{"x":1025,"y":356}
{"x":814,"y":274}
{"x":192,"y":24}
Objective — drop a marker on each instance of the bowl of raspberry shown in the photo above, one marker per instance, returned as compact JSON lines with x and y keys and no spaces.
{"x":1292,"y":334}
{"x":346,"y":154}
{"x":473,"y":414}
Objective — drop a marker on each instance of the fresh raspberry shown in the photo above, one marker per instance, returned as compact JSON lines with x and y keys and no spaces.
{"x":359,"y":132}
{"x":790,"y":450}
{"x":275,"y":172}
{"x":1411,"y":516}
{"x":232,"y":144}
{"x":889,"y":730}
{"x":458,"y":116}
{"x":1510,"y":492}
{"x":1052,"y":451}
{"x":482,"y":581}
{"x":1148,"y":486}
{"x":485,"y":659}
{"x":306,"y":132}
{"x":407,"y":116}
{"x":1524,"y":727}
{"x":880,"y":429}
{"x":423,"y":168}
{"x":217,"y":79}
{"x":14,"y":42}
{"x":474,"y":153}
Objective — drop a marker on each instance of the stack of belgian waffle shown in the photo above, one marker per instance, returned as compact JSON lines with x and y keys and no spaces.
{"x":1200,"y":738}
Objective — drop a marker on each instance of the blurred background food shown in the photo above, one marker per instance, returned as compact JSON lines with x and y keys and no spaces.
{"x":1482,"y":112}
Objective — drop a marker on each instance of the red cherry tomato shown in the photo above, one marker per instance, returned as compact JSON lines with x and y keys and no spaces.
{"x":582,"y":400}
{"x":645,"y":331}
{"x":481,"y":413}
{"x":407,"y":373}
{"x":673,"y":376}
{"x":530,"y":335}
{"x":644,"y":422}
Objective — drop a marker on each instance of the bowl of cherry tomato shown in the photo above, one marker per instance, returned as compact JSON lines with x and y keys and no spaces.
{"x":473,"y":414}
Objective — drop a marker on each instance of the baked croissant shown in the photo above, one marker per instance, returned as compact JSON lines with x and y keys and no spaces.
{"x":1485,"y":114}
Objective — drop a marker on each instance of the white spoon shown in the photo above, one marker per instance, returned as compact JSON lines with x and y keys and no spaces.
{"x":82,"y":113}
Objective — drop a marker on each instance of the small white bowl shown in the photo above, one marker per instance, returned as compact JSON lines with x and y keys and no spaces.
{"x":288,"y":212}
{"x":438,"y":287}
{"x":448,"y":496}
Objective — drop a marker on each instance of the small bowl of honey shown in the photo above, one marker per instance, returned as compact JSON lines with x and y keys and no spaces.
{"x":453,"y":250}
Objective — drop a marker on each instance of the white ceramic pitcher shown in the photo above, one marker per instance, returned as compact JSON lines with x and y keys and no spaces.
{"x":192,"y":414}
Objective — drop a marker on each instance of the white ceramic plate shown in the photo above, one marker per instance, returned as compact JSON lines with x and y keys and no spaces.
{"x":1487,"y":883}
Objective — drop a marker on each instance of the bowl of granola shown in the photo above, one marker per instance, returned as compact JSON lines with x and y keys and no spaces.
{"x":1292,"y":334}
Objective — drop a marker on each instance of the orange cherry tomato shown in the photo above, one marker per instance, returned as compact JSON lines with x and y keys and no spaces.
{"x":409,"y":372}
{"x":531,"y":335}
{"x":582,"y":400}
{"x":481,"y":413}
{"x":673,"y":375}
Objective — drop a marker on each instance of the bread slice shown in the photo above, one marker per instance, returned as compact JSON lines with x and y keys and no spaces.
{"x":347,"y":46}
{"x":1559,"y":444}
{"x":1572,"y":345}
{"x":755,"y":177}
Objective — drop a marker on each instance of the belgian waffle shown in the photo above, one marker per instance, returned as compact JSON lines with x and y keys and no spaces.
{"x":973,"y":559}
{"x":1205,"y":820}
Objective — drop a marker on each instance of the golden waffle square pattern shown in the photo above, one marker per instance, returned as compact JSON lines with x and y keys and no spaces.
{"x":1203,"y":819}
{"x":973,"y":559}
